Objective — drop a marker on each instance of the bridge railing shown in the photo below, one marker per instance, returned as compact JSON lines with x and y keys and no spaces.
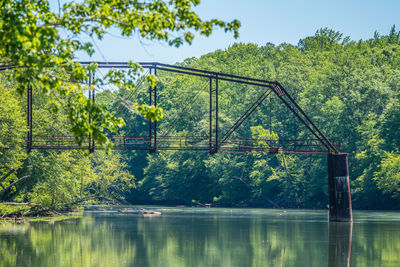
{"x":191,"y":143}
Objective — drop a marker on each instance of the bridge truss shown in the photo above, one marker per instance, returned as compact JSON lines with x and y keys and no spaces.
{"x":217,"y":140}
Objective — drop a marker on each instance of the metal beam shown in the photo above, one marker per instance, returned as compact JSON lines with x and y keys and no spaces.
{"x":210,"y":113}
{"x":331,"y":146}
{"x":216,"y":114}
{"x":248,"y":112}
{"x":155,"y":104}
{"x":152,"y":98}
{"x":93,"y":100}
{"x":29,"y":118}
{"x":150,"y":123}
{"x":90,"y":98}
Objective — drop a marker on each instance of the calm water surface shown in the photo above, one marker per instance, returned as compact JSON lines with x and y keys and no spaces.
{"x":205,"y":237}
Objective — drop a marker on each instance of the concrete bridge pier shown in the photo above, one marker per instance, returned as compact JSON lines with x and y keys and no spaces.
{"x":339,"y":188}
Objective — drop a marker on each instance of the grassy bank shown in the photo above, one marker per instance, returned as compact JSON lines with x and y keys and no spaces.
{"x":17,"y":212}
{"x":14,"y":209}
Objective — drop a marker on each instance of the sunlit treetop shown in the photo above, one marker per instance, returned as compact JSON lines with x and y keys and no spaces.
{"x":40,"y":46}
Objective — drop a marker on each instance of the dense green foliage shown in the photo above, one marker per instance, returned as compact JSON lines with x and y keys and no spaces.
{"x":349,"y":88}
{"x":53,"y":179}
{"x":40,"y":45}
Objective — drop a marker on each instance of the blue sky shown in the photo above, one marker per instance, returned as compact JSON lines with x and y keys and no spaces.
{"x":262,"y":21}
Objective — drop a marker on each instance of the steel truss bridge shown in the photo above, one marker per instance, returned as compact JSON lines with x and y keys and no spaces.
{"x":216,"y":141}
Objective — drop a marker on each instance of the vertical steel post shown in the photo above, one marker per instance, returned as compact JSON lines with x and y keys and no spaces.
{"x":155,"y":104}
{"x":295,"y":121}
{"x":216,"y":113}
{"x":270,"y":121}
{"x":210,"y":141}
{"x":150,"y":102}
{"x":90,"y":119}
{"x":93,"y":99}
{"x":339,"y":188}
{"x":29,"y":118}
{"x":153,"y":94}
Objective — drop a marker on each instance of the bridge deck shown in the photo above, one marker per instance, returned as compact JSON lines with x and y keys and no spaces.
{"x":192,"y":143}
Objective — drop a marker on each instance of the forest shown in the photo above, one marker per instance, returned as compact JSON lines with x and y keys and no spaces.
{"x":349,"y":88}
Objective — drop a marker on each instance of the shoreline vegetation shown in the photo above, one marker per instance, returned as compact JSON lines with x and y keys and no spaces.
{"x":29,"y":212}
{"x":12,"y":212}
{"x":349,"y":88}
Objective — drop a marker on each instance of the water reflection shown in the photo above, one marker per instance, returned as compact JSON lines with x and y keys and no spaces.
{"x":209,"y":237}
{"x":340,"y":237}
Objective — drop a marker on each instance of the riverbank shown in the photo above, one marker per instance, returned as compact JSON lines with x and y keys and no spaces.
{"x":27,"y":212}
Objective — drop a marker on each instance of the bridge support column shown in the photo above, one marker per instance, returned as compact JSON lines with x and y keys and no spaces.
{"x":339,"y":188}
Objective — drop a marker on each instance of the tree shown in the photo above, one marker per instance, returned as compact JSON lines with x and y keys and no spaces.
{"x":388,"y":176}
{"x":349,"y":89}
{"x":324,"y":39}
{"x":58,"y":177}
{"x":39,"y":45}
{"x":12,"y":126}
{"x":391,"y":124}
{"x":111,"y":180}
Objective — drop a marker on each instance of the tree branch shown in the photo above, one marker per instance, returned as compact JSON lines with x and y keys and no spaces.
{"x":2,"y":192}
{"x":5,"y":176}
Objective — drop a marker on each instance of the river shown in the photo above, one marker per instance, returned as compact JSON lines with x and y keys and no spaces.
{"x":205,"y":237}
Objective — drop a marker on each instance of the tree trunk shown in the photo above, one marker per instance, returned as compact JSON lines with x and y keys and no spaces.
{"x":2,"y":192}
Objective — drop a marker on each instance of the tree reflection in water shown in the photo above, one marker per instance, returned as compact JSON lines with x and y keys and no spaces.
{"x":209,"y":237}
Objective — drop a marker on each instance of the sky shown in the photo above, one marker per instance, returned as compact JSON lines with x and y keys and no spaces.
{"x":262,"y":21}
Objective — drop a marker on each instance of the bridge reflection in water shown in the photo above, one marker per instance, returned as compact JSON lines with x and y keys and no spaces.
{"x":340,"y":237}
{"x":205,"y":237}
